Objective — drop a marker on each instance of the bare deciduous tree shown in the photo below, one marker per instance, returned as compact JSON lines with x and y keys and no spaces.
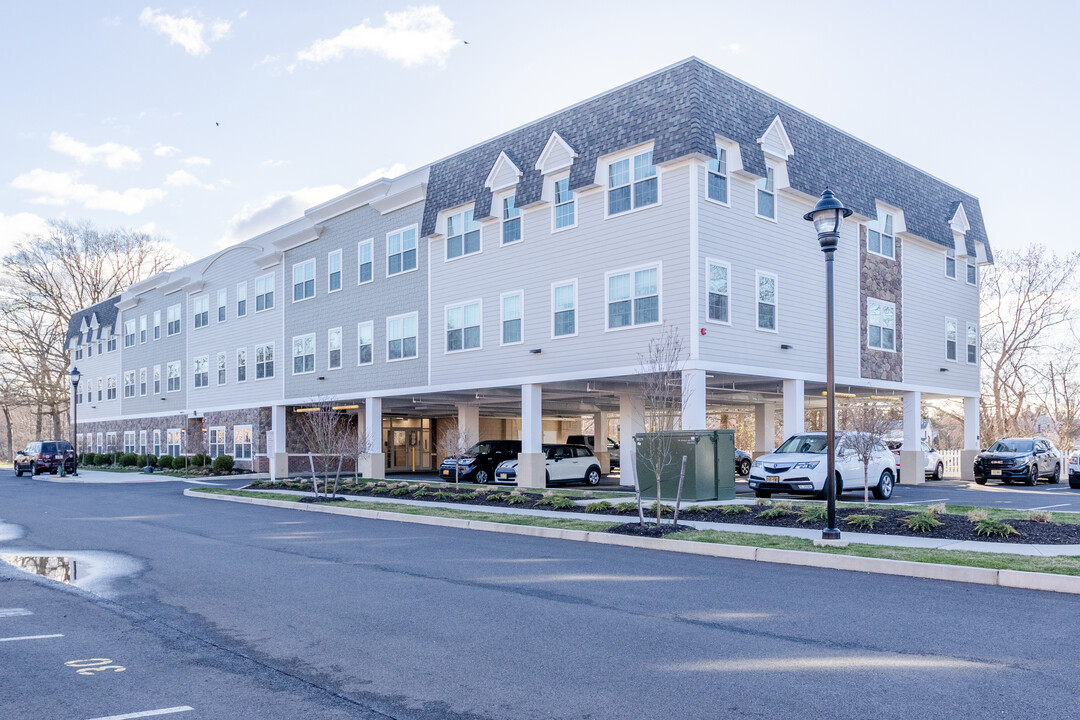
{"x":1058,"y":392}
{"x":454,"y":442}
{"x":328,"y":436}
{"x":866,"y":424}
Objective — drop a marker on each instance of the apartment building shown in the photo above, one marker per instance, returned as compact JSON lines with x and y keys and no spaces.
{"x":511,"y":288}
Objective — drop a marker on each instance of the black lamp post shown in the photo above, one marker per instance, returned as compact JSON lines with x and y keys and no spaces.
{"x":76,"y":376}
{"x":828,"y":215}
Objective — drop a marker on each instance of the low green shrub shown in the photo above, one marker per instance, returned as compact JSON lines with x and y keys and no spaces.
{"x":627,"y":507}
{"x":863,"y":522}
{"x":557,"y":502}
{"x":128,"y":459}
{"x":516,"y":499}
{"x":87,"y":458}
{"x":380,"y":490}
{"x":102,"y":459}
{"x":922,"y":522}
{"x":444,"y":496}
{"x":497,"y":496}
{"x":665,"y":510}
{"x":140,"y":461}
{"x":694,"y":509}
{"x":165,"y":462}
{"x":198,"y":460}
{"x":813,"y":514}
{"x":774,"y":513}
{"x":224,"y":463}
{"x":597,"y":507}
{"x":400,"y":491}
{"x":465,"y":496}
{"x":994,"y":528}
{"x":734,"y":510}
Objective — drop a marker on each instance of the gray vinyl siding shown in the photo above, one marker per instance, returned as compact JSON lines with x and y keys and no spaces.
{"x":353,"y":304}
{"x":653,"y":235}
{"x":789,"y":249}
{"x":155,"y":352}
{"x":929,"y":298}
{"x":101,"y":365}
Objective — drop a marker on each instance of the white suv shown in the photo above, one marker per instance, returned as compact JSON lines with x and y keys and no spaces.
{"x":1074,"y":469}
{"x":798,"y":466}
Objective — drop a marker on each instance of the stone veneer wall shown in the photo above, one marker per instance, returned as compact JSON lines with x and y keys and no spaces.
{"x":881,"y":278}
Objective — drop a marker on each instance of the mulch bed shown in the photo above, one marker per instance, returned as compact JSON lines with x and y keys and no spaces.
{"x":650,"y":530}
{"x":953,"y":527}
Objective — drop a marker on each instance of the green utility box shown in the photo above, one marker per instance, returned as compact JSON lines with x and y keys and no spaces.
{"x":710,"y":464}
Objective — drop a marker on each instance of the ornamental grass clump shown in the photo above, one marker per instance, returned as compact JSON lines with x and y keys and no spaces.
{"x":516,"y":498}
{"x":496,"y":496}
{"x":763,"y":502}
{"x":627,"y":507}
{"x":1040,"y":516}
{"x":775,"y":512}
{"x":863,"y":522}
{"x":557,"y":502}
{"x":977,"y":515}
{"x":600,"y":506}
{"x":813,"y":514}
{"x":935,"y":509}
{"x":399,"y":491}
{"x":922,"y":522}
{"x":994,"y":528}
{"x":734,"y":510}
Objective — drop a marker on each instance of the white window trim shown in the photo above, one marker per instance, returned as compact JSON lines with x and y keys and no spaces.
{"x":238,"y":286}
{"x":314,"y":278}
{"x":341,"y":349}
{"x":730,"y":304}
{"x":956,"y":325}
{"x":217,"y":368}
{"x":954,"y":276}
{"x":179,"y":377}
{"x":223,"y":305}
{"x":577,"y":309}
{"x":314,"y":353}
{"x":502,"y":221}
{"x":195,"y":313}
{"x":251,"y":444}
{"x":775,"y":195}
{"x":446,"y":311}
{"x":195,"y":360}
{"x":623,"y":156}
{"x":273,"y":291}
{"x":415,"y":227}
{"x":659,"y":297}
{"x":387,"y":337}
{"x":970,"y":262}
{"x":157,"y":325}
{"x":341,"y":270}
{"x":157,"y":372}
{"x":246,"y":365}
{"x":557,"y":177}
{"x":254,"y":365}
{"x":209,"y":434}
{"x":502,"y":319}
{"x":881,"y":233}
{"x":157,"y":442}
{"x":446,"y":238}
{"x":371,"y":325}
{"x":144,"y":332}
{"x":758,"y":274}
{"x":969,"y":326}
{"x":714,"y":201}
{"x":370,"y":242}
{"x":880,"y":302}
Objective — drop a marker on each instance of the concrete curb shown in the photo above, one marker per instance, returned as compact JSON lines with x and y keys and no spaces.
{"x":882,"y":566}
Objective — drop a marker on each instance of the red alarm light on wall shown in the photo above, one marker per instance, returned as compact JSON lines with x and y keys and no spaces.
{"x":702,"y":331}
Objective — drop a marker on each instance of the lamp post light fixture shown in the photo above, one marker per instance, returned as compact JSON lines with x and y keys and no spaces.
{"x":76,"y":376}
{"x":828,"y":215}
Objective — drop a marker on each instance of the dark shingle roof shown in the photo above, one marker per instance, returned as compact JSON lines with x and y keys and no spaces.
{"x":681,"y":109}
{"x":106,"y":314}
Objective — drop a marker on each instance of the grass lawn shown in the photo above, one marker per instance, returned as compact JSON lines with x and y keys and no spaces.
{"x":1063,"y":565}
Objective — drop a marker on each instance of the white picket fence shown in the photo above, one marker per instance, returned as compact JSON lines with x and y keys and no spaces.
{"x":951,"y":460}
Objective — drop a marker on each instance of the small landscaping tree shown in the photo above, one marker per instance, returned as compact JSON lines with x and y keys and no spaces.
{"x":327,"y":434}
{"x":454,"y":442}
{"x":867,"y":424}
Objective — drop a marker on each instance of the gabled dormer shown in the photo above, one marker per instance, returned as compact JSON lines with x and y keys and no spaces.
{"x":504,"y":174}
{"x":775,"y":142}
{"x":777,"y":148}
{"x":557,"y":155}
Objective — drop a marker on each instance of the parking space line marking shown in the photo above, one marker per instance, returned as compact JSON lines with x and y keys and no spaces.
{"x":13,"y":612}
{"x":148,"y":713}
{"x":1047,"y":507}
{"x":30,"y":637}
{"x":916,"y":502}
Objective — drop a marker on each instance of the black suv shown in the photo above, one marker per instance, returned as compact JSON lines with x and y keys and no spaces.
{"x":479,"y":462}
{"x":1021,"y":459}
{"x":48,"y":456}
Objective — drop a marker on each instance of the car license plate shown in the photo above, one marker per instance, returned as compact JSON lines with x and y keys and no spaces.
{"x":995,"y":473}
{"x":503,"y":476}
{"x":772,"y":478}
{"x":445,"y":472}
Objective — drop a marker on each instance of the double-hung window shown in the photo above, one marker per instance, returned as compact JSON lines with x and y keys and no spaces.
{"x":216,"y":441}
{"x":880,"y":324}
{"x":129,"y":441}
{"x":462,"y":235}
{"x":950,"y":339}
{"x":718,"y":176}
{"x":129,"y":333}
{"x":264,"y":292}
{"x":222,"y":302}
{"x":172,"y":315}
{"x":950,"y":263}
{"x":511,"y":220}
{"x":512,"y":317}
{"x":142,"y":442}
{"x":129,"y":383}
{"x":110,"y":345}
{"x":463,"y":327}
{"x":564,"y":309}
{"x":632,"y":183}
{"x":157,"y":442}
{"x":241,"y":365}
{"x":303,"y":353}
{"x":633,"y":298}
{"x":972,"y":344}
{"x":333,"y":348}
{"x":110,"y":441}
{"x":879,"y":236}
{"x":172,"y":442}
{"x":264,"y":361}
{"x":766,"y":195}
{"x":364,"y":261}
{"x":142,"y":329}
{"x":564,"y":204}
{"x":157,"y":324}
{"x":303,"y":278}
{"x":242,"y":442}
{"x":401,"y":251}
{"x":333,"y":270}
{"x":157,"y":379}
{"x":201,"y":366}
{"x":110,"y":387}
{"x":142,"y":381}
{"x":972,"y":272}
{"x":221,"y":368}
{"x":172,"y":370}
{"x":99,"y":386}
{"x":202,"y":311}
{"x":241,"y":299}
{"x":364,"y":343}
{"x":766,"y":301}
{"x":401,"y":337}
{"x":719,"y":277}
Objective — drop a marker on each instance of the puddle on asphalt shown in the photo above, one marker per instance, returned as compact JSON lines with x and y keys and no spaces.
{"x":53,"y":567}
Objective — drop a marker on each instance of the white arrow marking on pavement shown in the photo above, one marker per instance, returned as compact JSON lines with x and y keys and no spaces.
{"x":147,"y":713}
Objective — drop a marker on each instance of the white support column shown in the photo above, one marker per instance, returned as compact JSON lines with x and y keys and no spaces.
{"x":693,"y":400}
{"x":468,"y":418}
{"x":764,"y":429}
{"x":912,"y":459}
{"x":631,"y":422}
{"x":374,"y":465}
{"x":971,"y":439}
{"x":279,"y":457}
{"x":530,"y":470}
{"x":600,"y":449}
{"x":794,"y":407}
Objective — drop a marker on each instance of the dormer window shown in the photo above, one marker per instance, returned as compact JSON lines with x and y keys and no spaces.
{"x":462,"y":235}
{"x":632,"y":183}
{"x":718,"y":176}
{"x":564,"y":204}
{"x":879,"y":238}
{"x":766,"y":195}
{"x":950,"y":263}
{"x":511,"y":221}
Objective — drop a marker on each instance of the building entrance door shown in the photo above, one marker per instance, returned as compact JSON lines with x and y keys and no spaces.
{"x":407,"y":444}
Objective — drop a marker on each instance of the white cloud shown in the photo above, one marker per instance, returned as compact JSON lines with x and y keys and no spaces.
{"x":383,"y":172}
{"x":414,"y":36}
{"x":273,"y":210}
{"x":14,"y":228}
{"x":186,"y":31}
{"x":165,"y":150}
{"x":59,"y":188}
{"x":196,"y":160}
{"x":182,"y":178}
{"x":272,"y":163}
{"x":113,"y":155}
{"x":735,"y":48}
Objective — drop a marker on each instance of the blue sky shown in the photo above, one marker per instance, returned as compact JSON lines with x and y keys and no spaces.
{"x":210,"y":123}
